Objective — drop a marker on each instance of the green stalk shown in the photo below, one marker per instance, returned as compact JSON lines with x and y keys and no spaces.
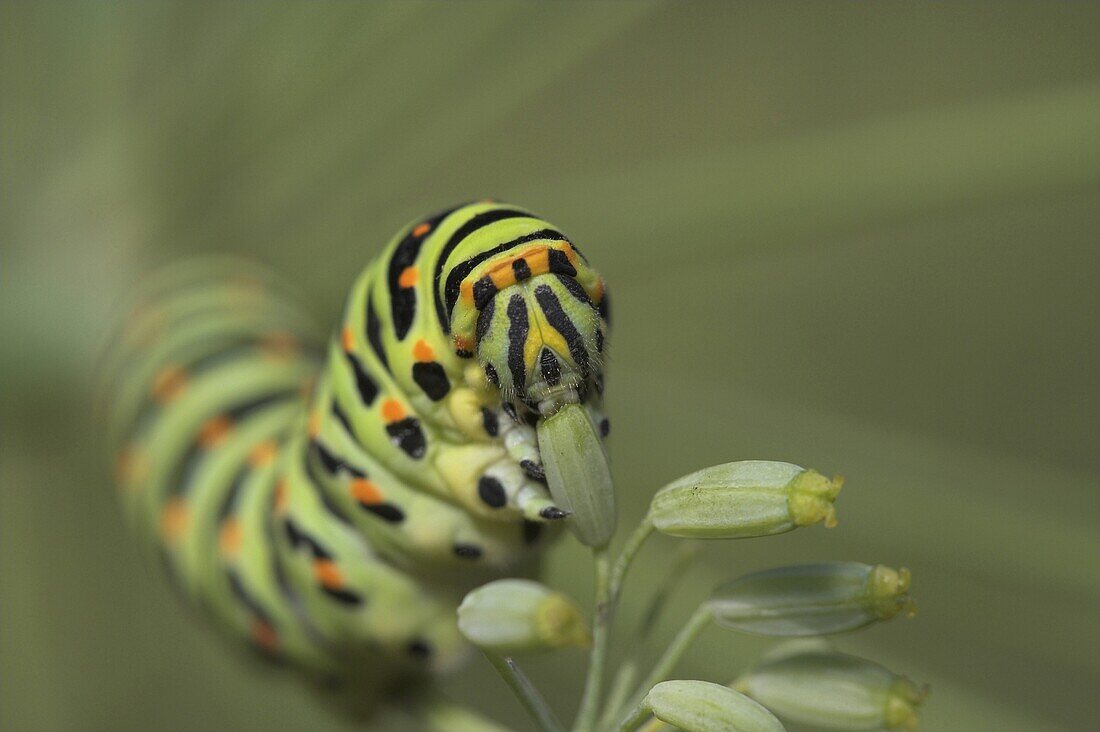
{"x":621,"y":687}
{"x":601,"y":631}
{"x":626,"y":556}
{"x":628,"y":669}
{"x":637,"y":716}
{"x":526,"y":692}
{"x":673,"y":653}
{"x":609,"y":580}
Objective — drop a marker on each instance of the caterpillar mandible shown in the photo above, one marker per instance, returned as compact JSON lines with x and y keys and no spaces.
{"x":330,"y":504}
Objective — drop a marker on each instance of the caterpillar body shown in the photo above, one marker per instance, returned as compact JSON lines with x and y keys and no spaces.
{"x":330,"y":503}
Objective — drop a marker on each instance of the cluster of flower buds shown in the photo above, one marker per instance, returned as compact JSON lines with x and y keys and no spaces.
{"x":812,"y":599}
{"x":744,"y":499}
{"x":805,"y":682}
{"x":516,"y":615}
{"x":820,"y":686}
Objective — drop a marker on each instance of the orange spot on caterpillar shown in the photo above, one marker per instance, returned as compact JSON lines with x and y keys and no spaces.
{"x":229,"y":538}
{"x":168,"y":384}
{"x":314,"y":425}
{"x":422,"y":229}
{"x":174,"y":519}
{"x":461,"y":344}
{"x":570,"y":253}
{"x":263,"y":635}
{"x":538,"y":261}
{"x":423,"y":352}
{"x":408,"y":277}
{"x":365,"y":491}
{"x":263,"y":453}
{"x":466,"y":290}
{"x":280,"y":345}
{"x":328,"y":574}
{"x":392,"y":411}
{"x":281,"y":497}
{"x":597,"y":290}
{"x":503,"y":277}
{"x":347,"y":338}
{"x":214,"y":432}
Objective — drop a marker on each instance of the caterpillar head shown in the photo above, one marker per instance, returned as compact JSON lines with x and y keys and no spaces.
{"x":538,"y":327}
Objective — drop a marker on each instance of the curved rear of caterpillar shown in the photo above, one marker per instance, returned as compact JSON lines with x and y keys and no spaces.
{"x":330,"y":504}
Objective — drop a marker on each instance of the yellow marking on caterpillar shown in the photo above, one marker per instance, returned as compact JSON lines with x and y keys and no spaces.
{"x":465,"y":408}
{"x":543,"y":334}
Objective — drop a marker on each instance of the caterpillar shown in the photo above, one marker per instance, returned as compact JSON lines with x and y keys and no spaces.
{"x":328,"y":501}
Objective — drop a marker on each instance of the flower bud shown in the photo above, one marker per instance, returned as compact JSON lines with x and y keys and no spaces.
{"x":831,"y":689}
{"x":577,"y":473}
{"x":700,"y":706}
{"x":812,"y":599}
{"x":744,"y":499}
{"x":511,"y":615}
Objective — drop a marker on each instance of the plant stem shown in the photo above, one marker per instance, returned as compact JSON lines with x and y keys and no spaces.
{"x":681,"y":565}
{"x":620,"y":689}
{"x":626,"y":556}
{"x":601,"y":631}
{"x":609,"y":580}
{"x":637,"y":716}
{"x":672,"y":654}
{"x":526,"y":692}
{"x":628,"y":669}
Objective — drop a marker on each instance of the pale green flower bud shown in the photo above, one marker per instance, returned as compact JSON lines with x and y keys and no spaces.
{"x":834,"y":690}
{"x":744,"y":499}
{"x":700,"y":706}
{"x":578,"y":474}
{"x":512,"y":615}
{"x":812,"y":599}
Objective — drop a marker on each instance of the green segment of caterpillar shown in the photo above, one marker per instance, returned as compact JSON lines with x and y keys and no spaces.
{"x":330,"y":501}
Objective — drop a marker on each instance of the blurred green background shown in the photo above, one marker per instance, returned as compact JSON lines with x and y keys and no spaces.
{"x":860,"y":237}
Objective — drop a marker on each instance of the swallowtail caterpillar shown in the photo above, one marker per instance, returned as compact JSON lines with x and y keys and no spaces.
{"x":331,"y":504}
